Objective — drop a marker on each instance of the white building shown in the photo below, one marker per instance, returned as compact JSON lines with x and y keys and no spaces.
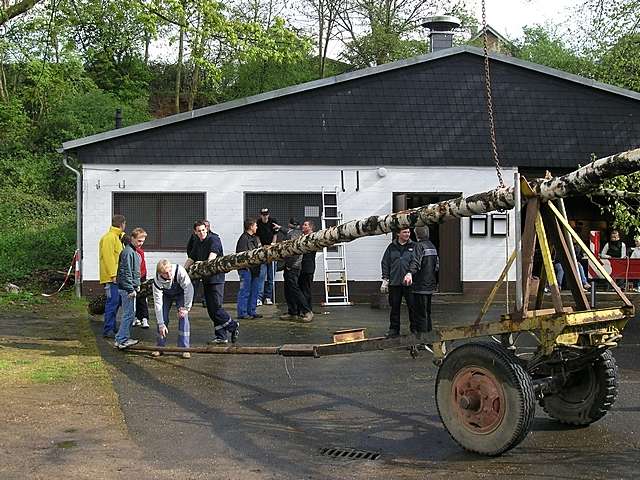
{"x":387,"y":138}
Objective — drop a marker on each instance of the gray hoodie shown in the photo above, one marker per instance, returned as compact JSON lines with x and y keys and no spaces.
{"x":160,"y":284}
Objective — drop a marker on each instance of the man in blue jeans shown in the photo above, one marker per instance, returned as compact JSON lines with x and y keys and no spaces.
{"x":128,"y":286}
{"x":267,"y":231}
{"x":249,"y":277}
{"x":109,"y":253}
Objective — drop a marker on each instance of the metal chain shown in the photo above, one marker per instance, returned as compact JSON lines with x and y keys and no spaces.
{"x":487,"y":81}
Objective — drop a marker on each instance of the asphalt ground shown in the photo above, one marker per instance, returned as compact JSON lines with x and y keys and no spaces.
{"x":264,"y":416}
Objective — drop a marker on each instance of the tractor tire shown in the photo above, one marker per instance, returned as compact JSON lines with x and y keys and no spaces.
{"x":588,"y":394}
{"x":485,"y":398}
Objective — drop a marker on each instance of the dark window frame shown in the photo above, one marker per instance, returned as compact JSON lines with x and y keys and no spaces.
{"x":161,"y":246}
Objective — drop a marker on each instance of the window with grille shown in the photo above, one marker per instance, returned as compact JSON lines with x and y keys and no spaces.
{"x":283,"y":206}
{"x":167,"y":218}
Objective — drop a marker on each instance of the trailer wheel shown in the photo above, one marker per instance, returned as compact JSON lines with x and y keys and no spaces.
{"x":587,"y":395}
{"x":485,"y":398}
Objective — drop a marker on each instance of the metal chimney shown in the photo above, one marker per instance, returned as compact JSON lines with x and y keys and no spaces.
{"x":441,"y":31}
{"x":118,"y":118}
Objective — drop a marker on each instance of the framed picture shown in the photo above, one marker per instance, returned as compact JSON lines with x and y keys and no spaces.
{"x":499,"y":224}
{"x":478,"y":226}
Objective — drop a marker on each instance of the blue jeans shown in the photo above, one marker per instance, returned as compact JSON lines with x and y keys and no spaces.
{"x":128,"y":314}
{"x":248,"y":293}
{"x":266,"y":287}
{"x":184,"y":327}
{"x":110,"y":308}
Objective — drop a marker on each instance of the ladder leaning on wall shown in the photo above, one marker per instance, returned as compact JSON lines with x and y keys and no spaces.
{"x":336,"y":288}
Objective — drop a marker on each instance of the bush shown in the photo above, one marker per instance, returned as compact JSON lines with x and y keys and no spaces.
{"x":37,"y":234}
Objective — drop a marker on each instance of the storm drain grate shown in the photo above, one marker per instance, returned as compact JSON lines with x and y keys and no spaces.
{"x":348,"y":453}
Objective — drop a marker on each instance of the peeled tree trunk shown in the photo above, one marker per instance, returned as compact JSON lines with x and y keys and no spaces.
{"x":580,"y":182}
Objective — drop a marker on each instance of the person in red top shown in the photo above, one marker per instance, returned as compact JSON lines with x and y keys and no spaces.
{"x":142,"y":310}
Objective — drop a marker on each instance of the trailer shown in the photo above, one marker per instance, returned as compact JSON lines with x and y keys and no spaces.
{"x":486,"y":393}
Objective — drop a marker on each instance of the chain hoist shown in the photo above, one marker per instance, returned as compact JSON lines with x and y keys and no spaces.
{"x":487,"y":82}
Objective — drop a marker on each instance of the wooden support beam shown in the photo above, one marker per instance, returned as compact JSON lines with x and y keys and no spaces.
{"x":587,"y":251}
{"x":547,"y":262}
{"x":528,"y":250}
{"x":564,"y":256}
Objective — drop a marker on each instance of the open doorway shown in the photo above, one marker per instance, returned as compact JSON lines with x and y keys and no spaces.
{"x":445,"y":236}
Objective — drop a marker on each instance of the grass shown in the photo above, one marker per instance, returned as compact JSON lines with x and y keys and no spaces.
{"x":54,"y":344}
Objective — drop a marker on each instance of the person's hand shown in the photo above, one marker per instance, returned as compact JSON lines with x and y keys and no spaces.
{"x":163,"y":330}
{"x":182,"y":312}
{"x":384,"y":287}
{"x":407,"y":280}
{"x":113,"y":279}
{"x":132,"y":294}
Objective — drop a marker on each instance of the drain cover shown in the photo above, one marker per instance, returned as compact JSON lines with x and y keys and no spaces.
{"x":348,"y":453}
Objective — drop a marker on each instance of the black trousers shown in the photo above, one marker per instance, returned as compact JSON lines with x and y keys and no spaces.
{"x":213,"y":294}
{"x":422,"y":305}
{"x":296,"y":302}
{"x":305,"y":280}
{"x":396,"y":293}
{"x":142,"y":309}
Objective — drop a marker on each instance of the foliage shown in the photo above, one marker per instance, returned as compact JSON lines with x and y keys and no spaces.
{"x":545,"y":46}
{"x":39,"y":234}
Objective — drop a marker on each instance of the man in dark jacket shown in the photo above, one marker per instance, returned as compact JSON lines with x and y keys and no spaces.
{"x":395,"y":266}
{"x":207,"y":247}
{"x":128,"y":281}
{"x":268,"y":229}
{"x":422,"y":277}
{"x":297,"y":307}
{"x":249,"y":277}
{"x":308,"y":267}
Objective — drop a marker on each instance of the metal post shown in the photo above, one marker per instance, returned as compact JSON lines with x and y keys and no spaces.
{"x":518,"y":240}
{"x":78,"y":223}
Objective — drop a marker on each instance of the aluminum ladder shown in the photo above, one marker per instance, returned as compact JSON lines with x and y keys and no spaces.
{"x":336,"y":288}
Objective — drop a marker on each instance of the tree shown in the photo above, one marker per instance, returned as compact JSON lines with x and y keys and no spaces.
{"x":10,"y":10}
{"x":381,"y":31}
{"x":545,"y":46}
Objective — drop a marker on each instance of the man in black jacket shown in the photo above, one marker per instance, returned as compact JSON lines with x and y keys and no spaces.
{"x":395,"y":266}
{"x":305,"y":280}
{"x":249,"y":277}
{"x":207,"y":247}
{"x":422,"y":277}
{"x":297,"y":307}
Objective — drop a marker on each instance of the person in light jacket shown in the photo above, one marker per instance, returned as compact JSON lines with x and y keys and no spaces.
{"x":172,"y":285}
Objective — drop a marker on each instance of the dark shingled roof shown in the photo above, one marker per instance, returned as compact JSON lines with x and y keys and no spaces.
{"x":424,"y":111}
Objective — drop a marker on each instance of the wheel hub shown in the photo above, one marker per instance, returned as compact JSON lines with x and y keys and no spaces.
{"x":478,"y":399}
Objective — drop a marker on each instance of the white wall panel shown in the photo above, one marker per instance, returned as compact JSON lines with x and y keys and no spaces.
{"x":482,"y":257}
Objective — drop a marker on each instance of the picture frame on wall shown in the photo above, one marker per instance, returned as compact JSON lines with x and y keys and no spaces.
{"x":478,"y":226}
{"x":499,"y":224}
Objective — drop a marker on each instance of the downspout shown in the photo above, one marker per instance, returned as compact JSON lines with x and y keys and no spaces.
{"x":78,"y":222}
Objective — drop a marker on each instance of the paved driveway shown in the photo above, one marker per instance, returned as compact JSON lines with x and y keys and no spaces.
{"x":226,"y":416}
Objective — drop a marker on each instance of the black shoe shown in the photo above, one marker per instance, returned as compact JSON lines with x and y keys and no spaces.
{"x":257,"y":315}
{"x":243,"y":317}
{"x":234,"y":335}
{"x":392,"y":334}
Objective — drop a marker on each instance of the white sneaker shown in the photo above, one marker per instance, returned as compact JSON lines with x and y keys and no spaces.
{"x":259,"y":303}
{"x":145,"y":323}
{"x":268,"y":301}
{"x":136,"y":323}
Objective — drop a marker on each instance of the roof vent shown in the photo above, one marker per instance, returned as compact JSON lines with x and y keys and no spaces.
{"x":441,"y":31}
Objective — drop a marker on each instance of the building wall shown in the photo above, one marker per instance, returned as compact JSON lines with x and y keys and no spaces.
{"x":482,"y":257}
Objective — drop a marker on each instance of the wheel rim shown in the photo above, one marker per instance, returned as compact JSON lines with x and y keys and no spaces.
{"x":478,"y":399}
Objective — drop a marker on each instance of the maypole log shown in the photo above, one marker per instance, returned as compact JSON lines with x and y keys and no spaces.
{"x":583,"y":181}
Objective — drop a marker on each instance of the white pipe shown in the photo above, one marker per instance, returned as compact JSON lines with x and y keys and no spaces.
{"x":78,"y":221}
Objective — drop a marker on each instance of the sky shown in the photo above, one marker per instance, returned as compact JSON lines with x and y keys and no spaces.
{"x":509,"y":16}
